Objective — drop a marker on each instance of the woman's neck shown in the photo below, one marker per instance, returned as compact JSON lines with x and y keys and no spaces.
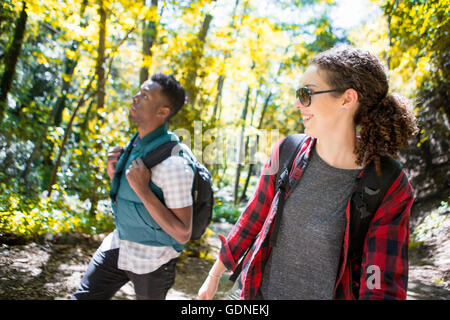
{"x":338,"y":150}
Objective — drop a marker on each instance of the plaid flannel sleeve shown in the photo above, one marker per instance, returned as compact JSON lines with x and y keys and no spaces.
{"x":252,"y":218}
{"x":384,"y":273}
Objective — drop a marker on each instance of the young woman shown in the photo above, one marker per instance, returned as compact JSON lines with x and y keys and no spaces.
{"x":344,"y":90}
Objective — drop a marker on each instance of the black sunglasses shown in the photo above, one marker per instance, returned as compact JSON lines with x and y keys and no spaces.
{"x":304,"y":95}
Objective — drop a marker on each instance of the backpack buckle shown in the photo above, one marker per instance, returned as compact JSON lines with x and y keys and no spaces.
{"x":364,"y":212}
{"x":283,"y":179}
{"x":370,"y":191}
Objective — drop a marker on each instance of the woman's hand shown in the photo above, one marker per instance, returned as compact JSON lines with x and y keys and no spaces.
{"x":209,"y":288}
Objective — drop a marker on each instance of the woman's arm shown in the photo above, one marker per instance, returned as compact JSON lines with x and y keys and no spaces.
{"x":384,"y":269}
{"x":252,"y":218}
{"x":210,"y":285}
{"x":246,"y":228}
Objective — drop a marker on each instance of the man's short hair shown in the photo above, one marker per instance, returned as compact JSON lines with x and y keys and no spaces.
{"x":172,"y":90}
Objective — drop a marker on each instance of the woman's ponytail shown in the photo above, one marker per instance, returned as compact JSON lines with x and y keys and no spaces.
{"x":384,"y":129}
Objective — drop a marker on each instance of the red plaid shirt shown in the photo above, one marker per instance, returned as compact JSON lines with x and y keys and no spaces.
{"x":386,"y":243}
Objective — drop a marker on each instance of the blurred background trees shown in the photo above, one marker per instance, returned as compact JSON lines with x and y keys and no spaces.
{"x":419,"y":54}
{"x":67,"y":74}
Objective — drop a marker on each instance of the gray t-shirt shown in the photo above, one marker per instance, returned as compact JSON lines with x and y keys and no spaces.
{"x":304,"y":264}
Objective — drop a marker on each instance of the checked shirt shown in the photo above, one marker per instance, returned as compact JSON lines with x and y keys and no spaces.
{"x":385,"y":247}
{"x":174,"y":176}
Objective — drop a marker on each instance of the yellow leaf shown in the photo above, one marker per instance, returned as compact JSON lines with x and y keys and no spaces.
{"x":41,"y":59}
{"x":66,"y":77}
{"x":72,"y":55}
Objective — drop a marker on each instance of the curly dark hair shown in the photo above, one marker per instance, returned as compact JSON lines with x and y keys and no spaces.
{"x":172,"y":90}
{"x":386,"y":122}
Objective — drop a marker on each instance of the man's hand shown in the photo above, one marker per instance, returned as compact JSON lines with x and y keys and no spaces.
{"x":138,"y":176}
{"x":114,"y":154}
{"x":177,"y":223}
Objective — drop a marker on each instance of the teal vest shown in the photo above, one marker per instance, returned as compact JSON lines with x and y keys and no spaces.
{"x":133,"y":221}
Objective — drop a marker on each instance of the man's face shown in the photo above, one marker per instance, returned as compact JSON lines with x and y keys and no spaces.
{"x":148,"y":104}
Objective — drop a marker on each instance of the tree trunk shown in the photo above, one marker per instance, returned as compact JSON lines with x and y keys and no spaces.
{"x":87,"y":117}
{"x":252,"y":152}
{"x":148,"y":38}
{"x":37,"y":146}
{"x":220,"y":82}
{"x":56,"y":113}
{"x":240,"y":145}
{"x":221,"y":79}
{"x":12,"y":56}
{"x":263,"y":112}
{"x":198,"y":53}
{"x":94,"y":205}
{"x":249,"y":173}
{"x":261,"y":119}
{"x":100,"y":70}
{"x":69,"y":68}
{"x":252,"y":165}
{"x":66,"y":135}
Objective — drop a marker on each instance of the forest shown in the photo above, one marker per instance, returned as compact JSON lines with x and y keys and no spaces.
{"x":68,"y":72}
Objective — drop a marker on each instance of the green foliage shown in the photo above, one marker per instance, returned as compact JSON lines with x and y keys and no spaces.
{"x":418,"y":34}
{"x":200,"y":248}
{"x":226,"y":211}
{"x":32,"y":216}
{"x":411,"y":36}
{"x":436,"y":222}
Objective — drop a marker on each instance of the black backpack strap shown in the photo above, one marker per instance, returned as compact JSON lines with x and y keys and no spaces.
{"x":370,"y":191}
{"x":288,"y":151}
{"x":159,"y":154}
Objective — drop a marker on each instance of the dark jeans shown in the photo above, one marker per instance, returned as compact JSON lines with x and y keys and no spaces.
{"x":103,"y":279}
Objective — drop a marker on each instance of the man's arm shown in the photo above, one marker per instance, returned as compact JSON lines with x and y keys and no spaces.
{"x":175,"y":222}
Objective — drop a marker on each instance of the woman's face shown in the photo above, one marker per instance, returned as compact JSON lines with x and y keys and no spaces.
{"x":321,"y":117}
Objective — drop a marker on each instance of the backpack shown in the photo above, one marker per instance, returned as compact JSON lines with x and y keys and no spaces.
{"x":370,"y":191}
{"x":366,"y":199}
{"x":202,"y":192}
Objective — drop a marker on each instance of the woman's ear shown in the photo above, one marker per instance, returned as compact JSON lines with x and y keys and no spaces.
{"x":349,"y":99}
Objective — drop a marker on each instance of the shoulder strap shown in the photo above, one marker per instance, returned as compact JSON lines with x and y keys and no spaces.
{"x":370,"y":191}
{"x":288,"y":151}
{"x":160,"y":154}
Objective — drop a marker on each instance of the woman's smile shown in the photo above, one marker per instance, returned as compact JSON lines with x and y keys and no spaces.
{"x":306,"y":117}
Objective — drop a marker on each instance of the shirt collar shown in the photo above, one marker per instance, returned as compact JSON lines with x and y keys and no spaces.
{"x":155,"y":134}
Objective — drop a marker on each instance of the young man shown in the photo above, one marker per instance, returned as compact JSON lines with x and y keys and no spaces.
{"x":152,"y":209}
